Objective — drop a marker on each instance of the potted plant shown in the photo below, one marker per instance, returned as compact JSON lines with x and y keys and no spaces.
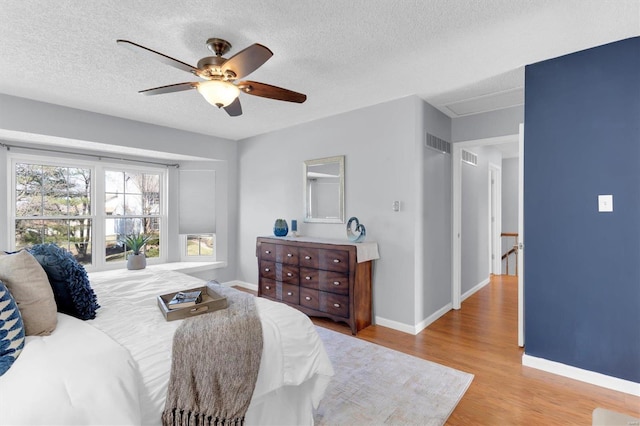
{"x":135,"y":243}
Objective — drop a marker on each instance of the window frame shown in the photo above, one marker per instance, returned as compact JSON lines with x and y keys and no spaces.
{"x":98,"y":214}
{"x":184,"y":257}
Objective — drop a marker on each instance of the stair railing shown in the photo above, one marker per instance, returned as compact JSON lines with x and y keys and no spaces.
{"x":513,"y":250}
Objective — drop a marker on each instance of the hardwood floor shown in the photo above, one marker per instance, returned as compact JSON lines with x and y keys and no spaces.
{"x":481,"y":339}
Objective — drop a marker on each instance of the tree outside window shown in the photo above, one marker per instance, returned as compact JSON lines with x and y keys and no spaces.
{"x":53,"y":205}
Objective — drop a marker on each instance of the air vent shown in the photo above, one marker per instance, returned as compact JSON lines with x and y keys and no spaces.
{"x":438,"y":144}
{"x":469,"y":157}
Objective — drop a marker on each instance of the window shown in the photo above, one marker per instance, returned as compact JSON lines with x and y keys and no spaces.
{"x":53,"y":205}
{"x":197,"y":218}
{"x":132,"y":206}
{"x":87,"y":207}
{"x":200,"y":245}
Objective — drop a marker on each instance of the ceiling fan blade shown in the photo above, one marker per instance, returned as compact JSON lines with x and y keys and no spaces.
{"x":248,"y":60}
{"x":157,"y":56}
{"x":234,"y":109}
{"x":178,"y":87}
{"x":271,"y":92}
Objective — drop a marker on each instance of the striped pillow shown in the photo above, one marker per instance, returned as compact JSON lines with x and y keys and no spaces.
{"x":11,"y":330}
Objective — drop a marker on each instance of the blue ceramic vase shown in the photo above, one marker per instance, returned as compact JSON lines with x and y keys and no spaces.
{"x":280,"y":228}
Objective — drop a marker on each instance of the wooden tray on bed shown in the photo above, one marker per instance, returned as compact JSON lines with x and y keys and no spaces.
{"x":211,"y":302}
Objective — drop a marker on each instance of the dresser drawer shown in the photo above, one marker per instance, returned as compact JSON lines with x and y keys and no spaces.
{"x":328,"y":260}
{"x":268,"y":251}
{"x":334,"y":304}
{"x":287,"y":273}
{"x":309,"y":298}
{"x":268,"y":269}
{"x":287,"y":254}
{"x":268,"y":288}
{"x":309,"y":278}
{"x":334,"y":282}
{"x":291,"y":293}
{"x":309,"y":257}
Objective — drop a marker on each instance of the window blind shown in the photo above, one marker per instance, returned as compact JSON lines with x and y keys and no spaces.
{"x":197,"y":201}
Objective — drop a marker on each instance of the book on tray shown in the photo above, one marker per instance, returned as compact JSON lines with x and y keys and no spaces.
{"x":184,"y":299}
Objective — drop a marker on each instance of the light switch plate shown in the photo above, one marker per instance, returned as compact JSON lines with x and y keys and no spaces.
{"x":605,"y":203}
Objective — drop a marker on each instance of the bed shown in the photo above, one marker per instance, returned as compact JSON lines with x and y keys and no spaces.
{"x":115,"y":368}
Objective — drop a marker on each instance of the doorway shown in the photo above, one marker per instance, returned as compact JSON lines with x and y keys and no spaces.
{"x":457,"y":149}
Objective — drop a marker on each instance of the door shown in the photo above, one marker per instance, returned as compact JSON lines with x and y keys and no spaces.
{"x":521,"y":236}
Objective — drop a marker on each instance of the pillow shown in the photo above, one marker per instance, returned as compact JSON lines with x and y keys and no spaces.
{"x":11,"y":330}
{"x":69,"y":281}
{"x":29,"y":286}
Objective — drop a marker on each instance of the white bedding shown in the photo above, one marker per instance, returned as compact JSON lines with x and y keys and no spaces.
{"x":76,"y":376}
{"x":294,"y":369}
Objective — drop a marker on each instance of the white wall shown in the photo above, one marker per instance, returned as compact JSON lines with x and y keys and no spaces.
{"x":475,"y":217}
{"x":26,"y":120}
{"x":436,"y":221}
{"x":378,"y":144}
{"x":491,"y":124}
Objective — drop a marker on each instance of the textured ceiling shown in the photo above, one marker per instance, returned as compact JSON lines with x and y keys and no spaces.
{"x":462,"y":56}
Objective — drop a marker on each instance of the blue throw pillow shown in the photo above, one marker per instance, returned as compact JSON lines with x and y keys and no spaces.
{"x":11,"y":330}
{"x":69,"y":281}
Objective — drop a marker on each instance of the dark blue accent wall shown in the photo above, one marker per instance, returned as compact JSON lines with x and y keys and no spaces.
{"x":582,"y":267}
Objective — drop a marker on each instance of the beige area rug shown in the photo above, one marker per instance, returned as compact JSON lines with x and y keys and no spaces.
{"x":374,"y":385}
{"x":603,"y":417}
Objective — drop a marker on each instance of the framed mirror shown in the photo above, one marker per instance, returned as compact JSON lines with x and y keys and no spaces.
{"x":324,"y":190}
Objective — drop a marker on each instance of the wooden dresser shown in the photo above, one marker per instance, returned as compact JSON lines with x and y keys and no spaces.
{"x":319,"y":279}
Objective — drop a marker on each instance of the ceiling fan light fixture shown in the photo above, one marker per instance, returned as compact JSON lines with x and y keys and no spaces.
{"x":218,"y":93}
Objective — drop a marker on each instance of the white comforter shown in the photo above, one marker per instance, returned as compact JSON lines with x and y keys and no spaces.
{"x":129,"y":386}
{"x":76,"y":376}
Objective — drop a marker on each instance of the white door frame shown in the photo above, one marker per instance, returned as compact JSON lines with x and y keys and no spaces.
{"x":495,"y":218}
{"x":520,"y":252}
{"x":456,"y":264}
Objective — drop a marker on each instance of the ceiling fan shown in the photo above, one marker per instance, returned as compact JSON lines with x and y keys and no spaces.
{"x":219,"y":86}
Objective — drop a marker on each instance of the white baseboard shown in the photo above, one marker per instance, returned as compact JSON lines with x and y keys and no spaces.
{"x":432,"y":318}
{"x":414,"y":329}
{"x":242,"y":284}
{"x":587,"y":376}
{"x":475,"y":288}
{"x":405,"y":328}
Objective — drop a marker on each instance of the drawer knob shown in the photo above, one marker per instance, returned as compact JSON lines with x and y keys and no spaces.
{"x":289,"y":274}
{"x":268,"y":251}
{"x":267,"y":287}
{"x":336,"y":283}
{"x":307,"y":278}
{"x":307,"y":298}
{"x":336,"y":260}
{"x":336,"y":305}
{"x":289,"y":293}
{"x":267,"y":269}
{"x":289,"y":255}
{"x":308,"y":257}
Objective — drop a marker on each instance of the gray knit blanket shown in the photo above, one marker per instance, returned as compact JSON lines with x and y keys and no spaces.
{"x":214,"y":366}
